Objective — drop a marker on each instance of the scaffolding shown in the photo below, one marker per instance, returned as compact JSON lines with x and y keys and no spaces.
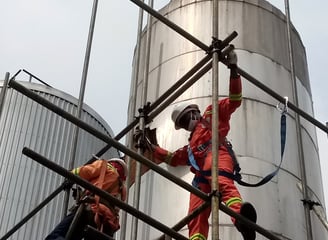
{"x":215,"y":53}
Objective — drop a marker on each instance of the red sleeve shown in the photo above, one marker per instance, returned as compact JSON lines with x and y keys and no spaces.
{"x":176,"y":158}
{"x":235,"y":89}
{"x":228,"y":105}
{"x":89,"y":171}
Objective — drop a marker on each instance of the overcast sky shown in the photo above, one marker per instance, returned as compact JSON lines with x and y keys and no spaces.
{"x":48,"y":38}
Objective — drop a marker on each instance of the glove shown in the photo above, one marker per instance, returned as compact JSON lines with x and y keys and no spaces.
{"x":151,"y":136}
{"x":146,"y":140}
{"x":232,"y":64}
{"x":232,"y":59}
{"x":137,"y":134}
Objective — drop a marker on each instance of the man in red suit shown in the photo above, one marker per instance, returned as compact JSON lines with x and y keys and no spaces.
{"x":198,"y":155}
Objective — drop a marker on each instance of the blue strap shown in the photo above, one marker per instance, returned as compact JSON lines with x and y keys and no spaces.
{"x":199,"y":179}
{"x":192,"y":160}
{"x":237,"y":176}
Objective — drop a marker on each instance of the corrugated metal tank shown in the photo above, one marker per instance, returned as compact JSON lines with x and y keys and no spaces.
{"x":24,"y":183}
{"x":262,"y":50}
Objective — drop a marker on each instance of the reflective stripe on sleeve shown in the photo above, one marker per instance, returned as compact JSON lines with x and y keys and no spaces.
{"x":168,"y":157}
{"x":232,"y":201}
{"x":76,"y":171}
{"x":235,"y":97}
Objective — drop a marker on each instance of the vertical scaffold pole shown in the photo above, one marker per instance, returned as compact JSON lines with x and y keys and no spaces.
{"x":81,"y":97}
{"x":298,"y":126}
{"x":215,"y":117}
{"x":132,"y":113}
{"x":137,"y":183}
{"x":3,"y":92}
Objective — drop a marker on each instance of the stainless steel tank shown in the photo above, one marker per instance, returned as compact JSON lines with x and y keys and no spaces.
{"x":24,"y":183}
{"x":262,"y":50}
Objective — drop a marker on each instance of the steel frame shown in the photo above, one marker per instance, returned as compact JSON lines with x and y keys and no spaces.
{"x":155,"y":108}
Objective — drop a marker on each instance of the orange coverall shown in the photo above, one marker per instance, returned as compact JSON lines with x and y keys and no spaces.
{"x":199,"y":226}
{"x":111,"y":183}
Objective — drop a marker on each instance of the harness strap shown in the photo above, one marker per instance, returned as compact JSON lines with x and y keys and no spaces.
{"x":236,"y":176}
{"x":199,"y":179}
{"x":192,"y":160}
{"x":100,"y":185}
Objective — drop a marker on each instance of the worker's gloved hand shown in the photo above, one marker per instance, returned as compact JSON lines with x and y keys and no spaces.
{"x":137,"y":135}
{"x":139,"y":139}
{"x":232,"y":59}
{"x":151,"y":136}
{"x":232,"y":64}
{"x":145,"y":139}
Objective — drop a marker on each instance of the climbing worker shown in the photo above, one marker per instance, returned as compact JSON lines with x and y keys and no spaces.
{"x":108,"y":175}
{"x":198,"y":155}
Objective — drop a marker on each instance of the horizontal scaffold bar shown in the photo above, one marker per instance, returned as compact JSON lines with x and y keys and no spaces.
{"x":198,"y":70}
{"x":89,"y":186}
{"x":44,"y":102}
{"x":171,"y":25}
{"x":20,"y":88}
{"x":34,"y":211}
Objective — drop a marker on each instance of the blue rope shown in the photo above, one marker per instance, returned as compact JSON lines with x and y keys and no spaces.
{"x":236,"y":175}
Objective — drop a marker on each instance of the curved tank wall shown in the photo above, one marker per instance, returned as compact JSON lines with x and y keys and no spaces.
{"x":262,"y":50}
{"x":24,"y":183}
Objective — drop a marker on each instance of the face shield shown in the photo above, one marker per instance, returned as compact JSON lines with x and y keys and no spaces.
{"x":188,"y":120}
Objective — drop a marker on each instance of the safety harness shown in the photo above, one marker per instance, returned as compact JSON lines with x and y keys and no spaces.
{"x":235,"y":175}
{"x":90,"y":198}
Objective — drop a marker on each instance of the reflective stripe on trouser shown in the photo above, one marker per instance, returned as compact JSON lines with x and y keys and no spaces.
{"x":197,"y":236}
{"x":230,"y":194}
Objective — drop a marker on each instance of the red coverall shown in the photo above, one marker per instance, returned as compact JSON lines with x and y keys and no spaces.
{"x":199,"y":226}
{"x":109,"y":182}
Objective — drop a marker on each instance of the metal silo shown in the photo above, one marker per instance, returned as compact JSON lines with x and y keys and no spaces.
{"x":23,"y":182}
{"x":262,"y":49}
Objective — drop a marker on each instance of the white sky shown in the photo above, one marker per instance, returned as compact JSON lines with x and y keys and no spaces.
{"x":48,"y":39}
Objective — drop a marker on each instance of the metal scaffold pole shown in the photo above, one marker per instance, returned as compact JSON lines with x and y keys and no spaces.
{"x":142,"y":122}
{"x":3,"y":92}
{"x":131,"y":114}
{"x":34,"y":211}
{"x":298,"y":127}
{"x":316,"y":207}
{"x":81,"y":97}
{"x":101,"y":193}
{"x":134,"y":155}
{"x":215,"y":123}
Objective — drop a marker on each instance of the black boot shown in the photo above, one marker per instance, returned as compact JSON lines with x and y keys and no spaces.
{"x":248,"y":211}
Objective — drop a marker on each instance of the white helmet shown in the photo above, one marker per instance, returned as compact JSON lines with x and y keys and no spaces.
{"x":180,"y":110}
{"x":123,"y":164}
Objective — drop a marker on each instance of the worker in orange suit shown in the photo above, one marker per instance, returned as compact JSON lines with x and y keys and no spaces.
{"x":198,"y":155}
{"x":108,"y":175}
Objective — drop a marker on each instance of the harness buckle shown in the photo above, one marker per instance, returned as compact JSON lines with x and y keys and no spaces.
{"x":202,"y":147}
